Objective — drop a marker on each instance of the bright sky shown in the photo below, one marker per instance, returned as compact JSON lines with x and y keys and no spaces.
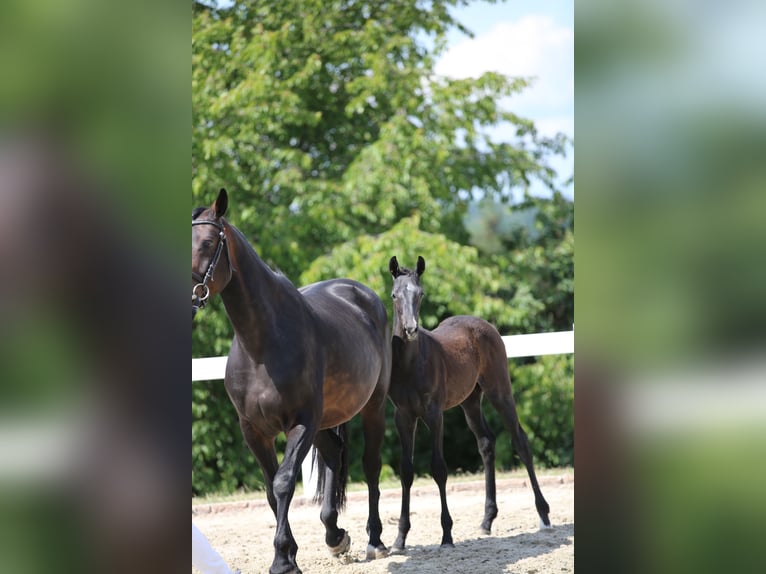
{"x":522,"y":38}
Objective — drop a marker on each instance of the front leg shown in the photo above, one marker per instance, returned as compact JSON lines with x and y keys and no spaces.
{"x":299,"y":440}
{"x":406,"y":425}
{"x":435,"y":421}
{"x":262,"y":448}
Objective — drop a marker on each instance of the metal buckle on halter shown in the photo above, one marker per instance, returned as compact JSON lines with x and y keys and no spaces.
{"x":200,"y":300}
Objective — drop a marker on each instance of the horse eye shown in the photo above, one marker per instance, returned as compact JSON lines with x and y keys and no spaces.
{"x":207,"y":244}
{"x":393,"y":295}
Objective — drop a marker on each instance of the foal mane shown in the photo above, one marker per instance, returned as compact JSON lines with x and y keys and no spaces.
{"x":407,"y":271}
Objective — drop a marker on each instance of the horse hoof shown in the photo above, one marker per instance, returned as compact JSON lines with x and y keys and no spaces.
{"x":343,"y":547}
{"x":486,"y":531}
{"x":544,"y":526}
{"x":374,"y":553}
{"x":397,"y":549}
{"x":447,"y":546}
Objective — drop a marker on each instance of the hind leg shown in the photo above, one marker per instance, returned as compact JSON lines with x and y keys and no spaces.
{"x":373,"y":424}
{"x":330,"y":446}
{"x":507,"y":409}
{"x":521,"y":446}
{"x":485,"y":440}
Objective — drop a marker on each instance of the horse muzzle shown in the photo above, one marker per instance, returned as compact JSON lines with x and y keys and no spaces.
{"x":411,"y":333}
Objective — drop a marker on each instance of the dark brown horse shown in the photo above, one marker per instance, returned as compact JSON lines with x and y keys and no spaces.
{"x":457,"y":363}
{"x":302,"y":362}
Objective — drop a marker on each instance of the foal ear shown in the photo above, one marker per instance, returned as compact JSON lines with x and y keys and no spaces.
{"x":221,"y":203}
{"x":421,"y":265}
{"x":393,"y":267}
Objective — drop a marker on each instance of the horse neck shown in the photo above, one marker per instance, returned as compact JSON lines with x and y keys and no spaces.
{"x":256,"y":298}
{"x":406,"y":352}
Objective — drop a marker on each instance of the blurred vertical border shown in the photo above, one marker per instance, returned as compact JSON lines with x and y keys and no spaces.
{"x":670,"y":399}
{"x":94,"y":389}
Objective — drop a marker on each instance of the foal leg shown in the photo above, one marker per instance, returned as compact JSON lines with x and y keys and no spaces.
{"x":435,"y":420}
{"x":373,"y":424}
{"x":299,"y":440}
{"x":330,"y":448}
{"x":406,"y":424}
{"x":507,"y":409}
{"x":485,"y":439}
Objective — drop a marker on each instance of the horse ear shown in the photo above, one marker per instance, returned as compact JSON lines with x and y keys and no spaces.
{"x":393,"y":267}
{"x":221,"y":203}
{"x":421,"y":265}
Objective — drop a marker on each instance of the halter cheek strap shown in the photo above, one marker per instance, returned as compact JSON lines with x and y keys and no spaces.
{"x":199,"y":300}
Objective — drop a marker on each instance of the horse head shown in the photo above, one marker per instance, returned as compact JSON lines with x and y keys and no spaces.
{"x":208,"y":245}
{"x":407,"y":294}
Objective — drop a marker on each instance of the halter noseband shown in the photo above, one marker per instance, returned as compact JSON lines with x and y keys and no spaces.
{"x":198,"y":302}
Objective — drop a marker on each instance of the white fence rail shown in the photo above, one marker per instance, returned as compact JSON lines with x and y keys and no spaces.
{"x":556,"y":343}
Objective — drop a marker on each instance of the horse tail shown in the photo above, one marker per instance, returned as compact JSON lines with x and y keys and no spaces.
{"x":340,"y":476}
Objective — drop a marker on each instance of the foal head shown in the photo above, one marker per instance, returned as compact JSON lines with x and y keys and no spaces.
{"x":407,"y":295}
{"x":209,"y":247}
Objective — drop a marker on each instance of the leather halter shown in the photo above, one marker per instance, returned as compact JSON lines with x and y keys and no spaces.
{"x":198,"y":301}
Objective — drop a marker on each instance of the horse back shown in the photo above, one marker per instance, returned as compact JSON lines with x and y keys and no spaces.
{"x":473,"y":349}
{"x":346,"y":304}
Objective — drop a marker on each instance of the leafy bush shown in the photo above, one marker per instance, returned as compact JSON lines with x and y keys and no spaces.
{"x":221,"y":462}
{"x":544,"y":394}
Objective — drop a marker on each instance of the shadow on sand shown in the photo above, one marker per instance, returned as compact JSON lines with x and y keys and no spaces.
{"x":487,"y":554}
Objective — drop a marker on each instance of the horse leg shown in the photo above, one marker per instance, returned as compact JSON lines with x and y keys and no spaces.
{"x":485,"y":439}
{"x":299,"y":440}
{"x":406,"y":425}
{"x":435,"y":421}
{"x":373,"y":424}
{"x":331,"y":446}
{"x":262,"y":448}
{"x":507,"y":409}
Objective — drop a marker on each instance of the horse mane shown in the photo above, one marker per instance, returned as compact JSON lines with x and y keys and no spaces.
{"x":406,"y":271}
{"x":197,"y":211}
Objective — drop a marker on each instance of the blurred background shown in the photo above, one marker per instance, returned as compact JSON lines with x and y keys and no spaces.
{"x":671,"y":370}
{"x":94,"y":140}
{"x":349,"y":132}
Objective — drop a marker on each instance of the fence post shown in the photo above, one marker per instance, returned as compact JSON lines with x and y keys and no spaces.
{"x":309,"y":475}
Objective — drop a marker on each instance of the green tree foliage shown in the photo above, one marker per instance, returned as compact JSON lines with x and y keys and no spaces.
{"x":455,"y":282}
{"x":531,"y":242}
{"x":544,"y":393}
{"x":324,"y":119}
{"x":340,"y":147}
